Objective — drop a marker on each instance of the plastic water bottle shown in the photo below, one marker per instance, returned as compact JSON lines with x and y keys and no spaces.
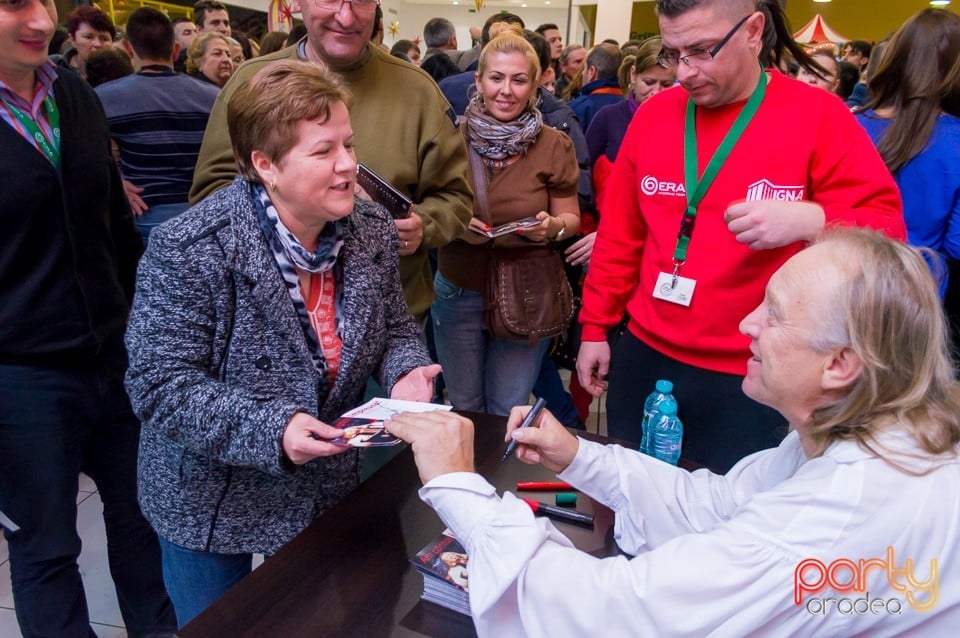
{"x":666,"y":432}
{"x":663,"y":390}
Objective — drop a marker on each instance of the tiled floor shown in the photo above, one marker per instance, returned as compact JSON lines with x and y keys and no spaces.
{"x":101,"y":598}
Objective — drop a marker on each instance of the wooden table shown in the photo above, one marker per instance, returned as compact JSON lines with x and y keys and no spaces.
{"x":349,"y":572}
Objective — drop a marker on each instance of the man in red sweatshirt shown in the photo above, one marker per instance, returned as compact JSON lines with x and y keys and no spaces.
{"x":718,"y":183}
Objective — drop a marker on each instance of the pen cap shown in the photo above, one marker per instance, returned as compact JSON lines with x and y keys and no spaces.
{"x":566,"y":499}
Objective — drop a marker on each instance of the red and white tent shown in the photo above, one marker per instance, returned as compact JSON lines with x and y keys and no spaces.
{"x":817,"y":30}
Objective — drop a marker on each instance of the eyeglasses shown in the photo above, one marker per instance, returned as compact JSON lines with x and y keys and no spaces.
{"x":669,"y":59}
{"x":359,"y":6}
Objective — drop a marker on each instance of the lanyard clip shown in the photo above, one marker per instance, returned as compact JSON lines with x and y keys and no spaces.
{"x":676,"y":273}
{"x":686,"y":225}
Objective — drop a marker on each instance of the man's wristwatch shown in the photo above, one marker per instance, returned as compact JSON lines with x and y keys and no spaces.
{"x":563,"y":231}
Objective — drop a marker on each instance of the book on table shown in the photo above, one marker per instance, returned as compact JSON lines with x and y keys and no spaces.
{"x":443,"y":564}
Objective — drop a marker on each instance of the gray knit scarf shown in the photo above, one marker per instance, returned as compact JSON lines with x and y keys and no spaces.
{"x":496,"y":140}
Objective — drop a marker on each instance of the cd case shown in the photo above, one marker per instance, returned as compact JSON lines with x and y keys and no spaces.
{"x":515,"y":226}
{"x":383,"y":192}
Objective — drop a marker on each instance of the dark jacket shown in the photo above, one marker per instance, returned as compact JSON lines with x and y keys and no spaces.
{"x":560,"y":116}
{"x":219,"y":364}
{"x":458,"y":89}
{"x":595,"y":96}
{"x":68,"y":245}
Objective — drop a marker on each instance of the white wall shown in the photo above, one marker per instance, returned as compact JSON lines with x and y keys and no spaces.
{"x":412,"y":17}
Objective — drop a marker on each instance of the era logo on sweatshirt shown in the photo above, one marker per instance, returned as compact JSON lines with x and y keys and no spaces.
{"x":651,"y":186}
{"x":765,"y":189}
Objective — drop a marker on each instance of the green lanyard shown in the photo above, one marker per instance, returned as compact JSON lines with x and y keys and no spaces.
{"x":49,"y":147}
{"x":697,"y":189}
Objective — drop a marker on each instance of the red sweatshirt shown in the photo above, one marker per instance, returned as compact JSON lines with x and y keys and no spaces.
{"x":803,"y":144}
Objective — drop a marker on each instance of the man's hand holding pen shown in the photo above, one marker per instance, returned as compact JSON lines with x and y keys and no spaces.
{"x":546,"y":441}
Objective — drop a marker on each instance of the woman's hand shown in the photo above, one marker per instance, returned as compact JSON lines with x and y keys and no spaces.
{"x":546,"y":441}
{"x":578,"y":254}
{"x":305,"y":439}
{"x":442,"y":441}
{"x":416,"y":385}
{"x":548,"y":228}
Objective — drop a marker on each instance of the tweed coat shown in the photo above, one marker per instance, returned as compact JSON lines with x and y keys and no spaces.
{"x":219,"y":364}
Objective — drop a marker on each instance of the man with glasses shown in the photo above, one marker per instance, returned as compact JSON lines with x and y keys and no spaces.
{"x":405,"y":131}
{"x":717,"y":184}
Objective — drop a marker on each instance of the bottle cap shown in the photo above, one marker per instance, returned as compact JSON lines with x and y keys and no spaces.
{"x":567,"y":499}
{"x":669,"y":408}
{"x":664,"y":386}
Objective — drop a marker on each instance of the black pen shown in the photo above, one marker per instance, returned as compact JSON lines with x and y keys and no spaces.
{"x":528,"y":420}
{"x":572,"y":516}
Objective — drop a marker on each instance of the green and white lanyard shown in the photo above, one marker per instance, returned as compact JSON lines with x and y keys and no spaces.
{"x":696,"y":189}
{"x":49,"y":147}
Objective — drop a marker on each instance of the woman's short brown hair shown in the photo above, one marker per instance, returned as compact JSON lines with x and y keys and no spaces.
{"x":264,"y":111}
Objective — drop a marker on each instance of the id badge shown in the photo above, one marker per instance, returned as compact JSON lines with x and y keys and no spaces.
{"x":681,"y":294}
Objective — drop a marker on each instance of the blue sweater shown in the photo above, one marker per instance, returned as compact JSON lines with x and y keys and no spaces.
{"x":157,"y":121}
{"x":929,"y":184}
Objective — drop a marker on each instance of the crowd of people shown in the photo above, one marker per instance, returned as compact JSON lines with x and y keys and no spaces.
{"x":195,"y":286}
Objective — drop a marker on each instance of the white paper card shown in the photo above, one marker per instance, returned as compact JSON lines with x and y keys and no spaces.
{"x":681,"y":294}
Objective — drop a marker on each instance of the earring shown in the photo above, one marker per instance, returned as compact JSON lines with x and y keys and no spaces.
{"x":273,"y":186}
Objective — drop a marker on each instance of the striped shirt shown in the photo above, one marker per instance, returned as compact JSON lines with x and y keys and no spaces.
{"x":157,"y":121}
{"x":46,"y":75}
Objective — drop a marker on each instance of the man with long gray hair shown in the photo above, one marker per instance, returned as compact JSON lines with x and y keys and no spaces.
{"x":847,"y":528}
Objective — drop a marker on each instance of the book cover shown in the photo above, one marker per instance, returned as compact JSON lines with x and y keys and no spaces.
{"x":443,"y":563}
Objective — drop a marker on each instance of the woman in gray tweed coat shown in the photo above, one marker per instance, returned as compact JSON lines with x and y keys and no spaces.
{"x":259,"y":315}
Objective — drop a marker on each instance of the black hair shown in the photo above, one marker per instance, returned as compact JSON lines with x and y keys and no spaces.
{"x":151,"y":34}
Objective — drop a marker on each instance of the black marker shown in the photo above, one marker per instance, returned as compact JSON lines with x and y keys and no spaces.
{"x":528,"y":420}
{"x":571,"y":516}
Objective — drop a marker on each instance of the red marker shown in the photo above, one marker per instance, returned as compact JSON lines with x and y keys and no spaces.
{"x":544,"y":486}
{"x":571,"y":516}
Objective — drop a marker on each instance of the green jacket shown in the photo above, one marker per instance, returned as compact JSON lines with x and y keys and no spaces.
{"x":404,"y":130}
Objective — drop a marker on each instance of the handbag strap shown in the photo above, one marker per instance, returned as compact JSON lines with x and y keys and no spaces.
{"x":480,"y":206}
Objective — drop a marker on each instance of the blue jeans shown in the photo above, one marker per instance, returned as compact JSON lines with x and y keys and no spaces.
{"x":56,"y":421}
{"x":549,"y":387}
{"x":483,"y":374}
{"x":196,"y":579}
{"x":158,"y":214}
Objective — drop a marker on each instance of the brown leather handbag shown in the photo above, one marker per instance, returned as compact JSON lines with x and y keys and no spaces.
{"x":526,"y":295}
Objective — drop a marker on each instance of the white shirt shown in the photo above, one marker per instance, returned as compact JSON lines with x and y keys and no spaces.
{"x":715,"y":555}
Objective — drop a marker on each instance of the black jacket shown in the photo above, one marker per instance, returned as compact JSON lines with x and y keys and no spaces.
{"x":560,"y":116}
{"x":68,"y":244}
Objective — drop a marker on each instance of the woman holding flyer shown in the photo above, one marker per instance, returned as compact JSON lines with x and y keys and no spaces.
{"x":524,"y":172}
{"x":259,"y":315}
